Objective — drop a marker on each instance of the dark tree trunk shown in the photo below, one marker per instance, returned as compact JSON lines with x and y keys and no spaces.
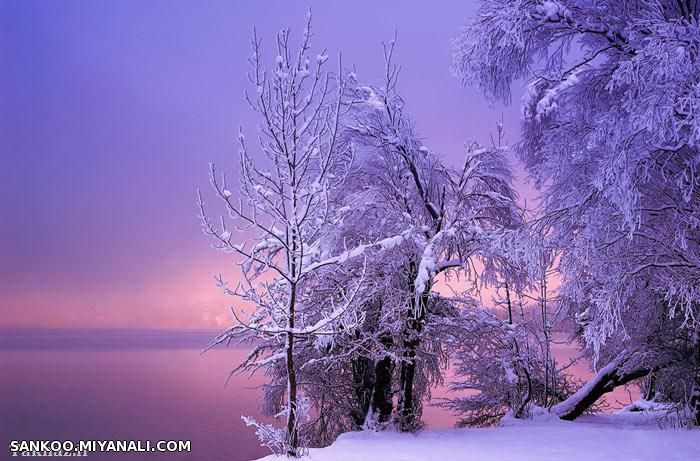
{"x":382,"y":404}
{"x":407,"y":411}
{"x":611,"y":376}
{"x":363,"y":374}
{"x":695,"y":395}
{"x":650,"y":388}
{"x":373,"y":381}
{"x":292,"y":430}
{"x":374,"y":394}
{"x":407,"y":415}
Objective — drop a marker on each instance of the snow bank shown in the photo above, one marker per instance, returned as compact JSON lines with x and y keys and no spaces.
{"x":595,"y":440}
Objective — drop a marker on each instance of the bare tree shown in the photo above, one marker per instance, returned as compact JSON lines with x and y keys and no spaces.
{"x":282,"y":209}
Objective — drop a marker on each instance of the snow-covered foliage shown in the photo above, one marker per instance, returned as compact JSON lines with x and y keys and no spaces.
{"x":416,"y":220}
{"x":448,"y":221}
{"x":350,"y":231}
{"x":276,"y":439}
{"x":611,"y":134}
{"x":503,"y":363}
{"x":279,"y":440}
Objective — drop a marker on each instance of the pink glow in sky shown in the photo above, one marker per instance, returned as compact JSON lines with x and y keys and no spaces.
{"x":110,"y":112}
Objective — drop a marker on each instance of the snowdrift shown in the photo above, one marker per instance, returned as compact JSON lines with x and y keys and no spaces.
{"x":611,"y":437}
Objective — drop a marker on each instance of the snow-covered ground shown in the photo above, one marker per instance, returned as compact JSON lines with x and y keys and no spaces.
{"x":611,"y":437}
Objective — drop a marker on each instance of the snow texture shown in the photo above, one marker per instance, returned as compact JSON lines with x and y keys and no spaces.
{"x":611,"y":438}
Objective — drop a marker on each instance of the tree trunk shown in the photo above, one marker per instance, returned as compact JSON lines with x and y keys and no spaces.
{"x":408,"y":419}
{"x":292,"y":429}
{"x":382,"y":404}
{"x":607,"y":379}
{"x":694,"y":402}
{"x":407,"y":414}
{"x":373,"y":392}
{"x":364,"y":380}
{"x":650,"y":387}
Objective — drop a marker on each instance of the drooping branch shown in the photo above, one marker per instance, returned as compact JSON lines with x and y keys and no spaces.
{"x":616,"y":373}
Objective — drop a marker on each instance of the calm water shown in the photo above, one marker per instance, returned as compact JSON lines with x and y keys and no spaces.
{"x":92,"y":390}
{"x":132,"y":385}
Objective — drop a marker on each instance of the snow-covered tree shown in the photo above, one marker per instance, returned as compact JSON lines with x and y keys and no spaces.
{"x":502,"y":353}
{"x":611,"y":134}
{"x":445,"y":219}
{"x":281,"y":210}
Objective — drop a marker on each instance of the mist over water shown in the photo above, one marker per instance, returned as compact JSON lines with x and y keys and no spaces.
{"x":147,"y":386}
{"x":138,"y":385}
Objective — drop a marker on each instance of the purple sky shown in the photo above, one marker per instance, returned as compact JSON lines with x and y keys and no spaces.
{"x":110,"y":112}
